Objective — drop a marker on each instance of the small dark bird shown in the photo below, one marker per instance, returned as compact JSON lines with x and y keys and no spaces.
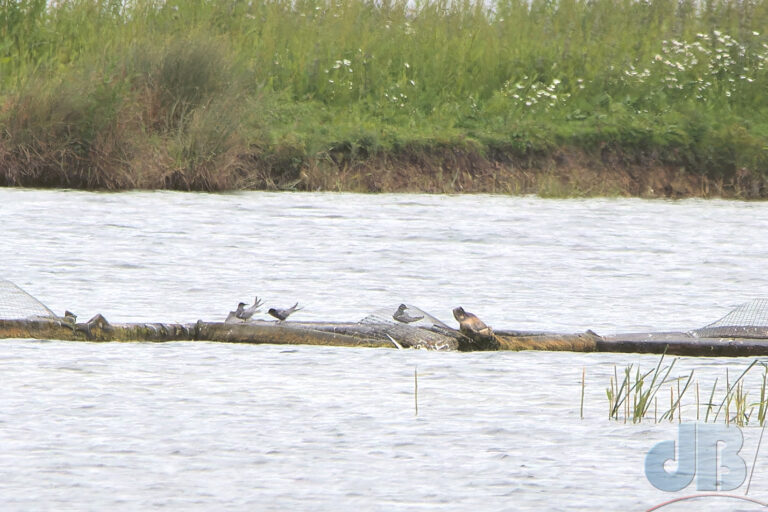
{"x":246,"y":314}
{"x":282,"y":314}
{"x":236,"y":315}
{"x":401,"y":316}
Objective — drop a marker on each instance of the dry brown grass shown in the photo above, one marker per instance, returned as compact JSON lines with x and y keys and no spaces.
{"x":565,"y":173}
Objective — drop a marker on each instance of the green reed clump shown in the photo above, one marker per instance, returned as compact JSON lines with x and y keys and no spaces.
{"x":619,"y":394}
{"x":343,"y":80}
{"x":763,"y":403}
{"x":735,"y":403}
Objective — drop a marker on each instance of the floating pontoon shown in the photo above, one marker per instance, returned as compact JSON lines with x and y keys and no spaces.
{"x":742,"y":332}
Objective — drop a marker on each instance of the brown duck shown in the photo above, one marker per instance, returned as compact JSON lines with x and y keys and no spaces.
{"x":469,"y":324}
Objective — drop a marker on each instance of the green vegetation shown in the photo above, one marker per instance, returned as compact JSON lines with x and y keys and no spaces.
{"x":363,"y":95}
{"x":630,"y":400}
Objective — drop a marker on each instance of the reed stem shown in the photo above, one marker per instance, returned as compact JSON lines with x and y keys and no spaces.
{"x":416,"y":390}
{"x":581,"y":407}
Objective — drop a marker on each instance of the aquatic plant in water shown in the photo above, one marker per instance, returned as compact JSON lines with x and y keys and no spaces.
{"x":630,"y":398}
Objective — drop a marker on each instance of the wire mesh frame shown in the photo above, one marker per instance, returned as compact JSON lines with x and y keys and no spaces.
{"x":17,"y":304}
{"x":749,"y":320}
{"x":407,"y":332}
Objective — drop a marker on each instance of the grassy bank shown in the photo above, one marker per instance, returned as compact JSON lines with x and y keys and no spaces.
{"x":659,"y":97}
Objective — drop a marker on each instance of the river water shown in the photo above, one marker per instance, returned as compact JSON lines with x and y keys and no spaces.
{"x":205,"y":426}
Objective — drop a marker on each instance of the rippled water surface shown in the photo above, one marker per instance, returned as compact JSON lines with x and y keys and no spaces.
{"x":205,"y":426}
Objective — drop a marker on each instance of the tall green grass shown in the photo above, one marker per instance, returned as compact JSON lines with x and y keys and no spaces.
{"x":630,"y":398}
{"x":208,"y":94}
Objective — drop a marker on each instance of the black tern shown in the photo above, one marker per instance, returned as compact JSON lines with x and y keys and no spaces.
{"x":246,"y":314}
{"x":235,"y":315}
{"x":401,"y":316}
{"x":282,"y":314}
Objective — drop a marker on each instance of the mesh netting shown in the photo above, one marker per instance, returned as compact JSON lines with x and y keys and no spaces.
{"x":750,"y":320}
{"x":16,"y":304}
{"x":405,"y":334}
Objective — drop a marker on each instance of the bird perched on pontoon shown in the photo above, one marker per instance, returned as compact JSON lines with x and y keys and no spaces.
{"x":282,"y":314}
{"x":480,"y":336}
{"x":242,"y":313}
{"x":235,"y":315}
{"x":469,"y":324}
{"x":246,"y":314}
{"x":401,"y":316}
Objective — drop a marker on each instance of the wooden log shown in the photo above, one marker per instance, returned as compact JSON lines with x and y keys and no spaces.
{"x":511,"y":340}
{"x":407,"y":336}
{"x":377,"y":335}
{"x":98,"y":331}
{"x":281,"y":334}
{"x":683,"y":344}
{"x":160,"y":332}
{"x":42,"y":329}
